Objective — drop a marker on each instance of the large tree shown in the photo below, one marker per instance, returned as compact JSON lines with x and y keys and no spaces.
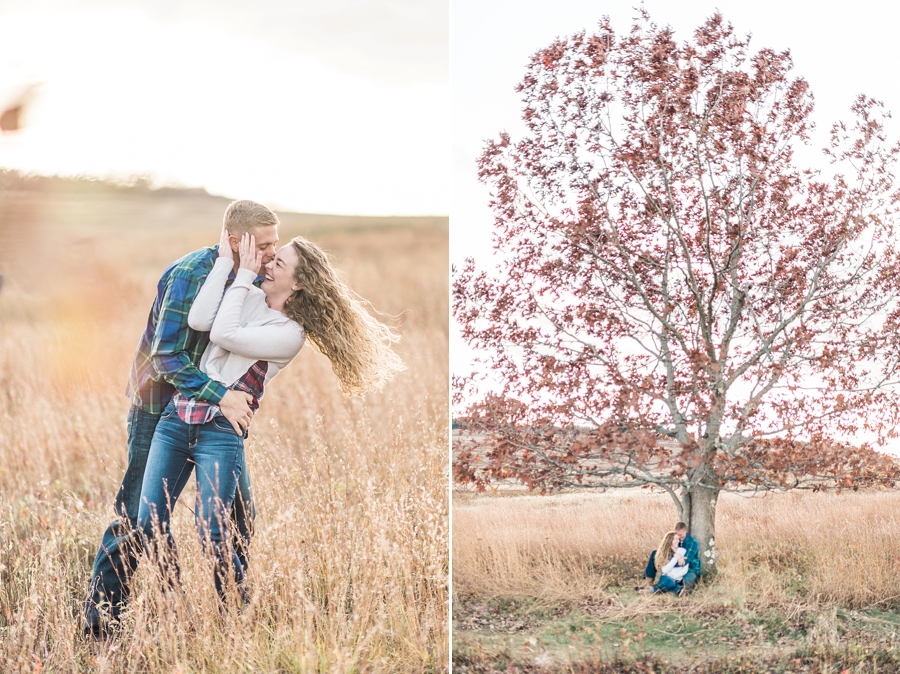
{"x":676,"y":303}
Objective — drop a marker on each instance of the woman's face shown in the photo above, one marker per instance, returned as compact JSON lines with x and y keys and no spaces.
{"x":279,"y":279}
{"x":674,"y":543}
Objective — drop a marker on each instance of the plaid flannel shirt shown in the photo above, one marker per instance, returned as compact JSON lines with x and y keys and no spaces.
{"x":193,"y":411}
{"x":692,"y":556}
{"x":168,"y":355}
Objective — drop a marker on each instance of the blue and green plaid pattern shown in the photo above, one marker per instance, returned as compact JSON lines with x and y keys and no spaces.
{"x":169,"y":352}
{"x":692,"y":550}
{"x":195,"y":412}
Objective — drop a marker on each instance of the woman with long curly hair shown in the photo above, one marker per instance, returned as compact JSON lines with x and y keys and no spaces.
{"x":254,"y":334}
{"x":337,"y":323}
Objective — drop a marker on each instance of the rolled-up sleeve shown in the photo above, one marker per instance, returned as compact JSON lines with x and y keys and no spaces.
{"x":169,"y":353}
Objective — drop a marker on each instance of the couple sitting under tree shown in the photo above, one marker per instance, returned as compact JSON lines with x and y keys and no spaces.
{"x":677,"y":562}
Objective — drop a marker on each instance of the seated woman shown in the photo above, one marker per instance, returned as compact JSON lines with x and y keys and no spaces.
{"x":254,"y":334}
{"x":671,"y":560}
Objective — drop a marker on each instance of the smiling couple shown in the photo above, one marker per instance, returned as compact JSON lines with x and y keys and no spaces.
{"x":226,"y":319}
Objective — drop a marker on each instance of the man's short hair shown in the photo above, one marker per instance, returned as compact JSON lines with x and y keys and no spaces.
{"x":680,"y":526}
{"x":244,"y":215}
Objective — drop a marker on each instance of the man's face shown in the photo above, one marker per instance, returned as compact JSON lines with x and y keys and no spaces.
{"x":266,"y":238}
{"x":681,"y":534}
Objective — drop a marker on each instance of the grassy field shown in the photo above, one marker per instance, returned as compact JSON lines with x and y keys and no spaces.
{"x":808,"y":583}
{"x":350,"y":560}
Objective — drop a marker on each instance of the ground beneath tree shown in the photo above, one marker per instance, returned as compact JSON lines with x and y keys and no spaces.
{"x":629,"y":633}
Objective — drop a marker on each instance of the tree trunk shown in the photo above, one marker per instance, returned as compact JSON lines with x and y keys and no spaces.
{"x":700,"y":516}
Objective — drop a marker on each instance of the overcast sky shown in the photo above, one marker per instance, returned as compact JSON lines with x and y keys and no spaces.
{"x":337,"y":107}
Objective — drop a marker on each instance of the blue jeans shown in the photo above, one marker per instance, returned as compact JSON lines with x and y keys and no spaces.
{"x":216,"y":454}
{"x":666,"y":584}
{"x":120,"y":548}
{"x":650,"y":571}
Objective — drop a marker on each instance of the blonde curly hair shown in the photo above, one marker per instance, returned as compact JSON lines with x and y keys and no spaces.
{"x":338,"y":325}
{"x":664,"y":551}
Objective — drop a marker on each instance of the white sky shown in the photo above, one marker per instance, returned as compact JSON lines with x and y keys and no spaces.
{"x":840,"y":53}
{"x":337,"y":107}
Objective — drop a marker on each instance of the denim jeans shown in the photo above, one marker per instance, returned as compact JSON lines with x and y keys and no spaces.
{"x":215,"y":454}
{"x":690,"y":579}
{"x":650,"y":571}
{"x":666,"y":584}
{"x":120,"y":548}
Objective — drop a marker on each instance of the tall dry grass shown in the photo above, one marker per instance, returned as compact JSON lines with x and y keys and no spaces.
{"x":834,"y":549}
{"x":350,"y":559}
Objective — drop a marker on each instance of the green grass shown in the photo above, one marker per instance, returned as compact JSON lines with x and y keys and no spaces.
{"x":664,"y":633}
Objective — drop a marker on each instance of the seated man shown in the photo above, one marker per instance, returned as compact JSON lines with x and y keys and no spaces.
{"x":689,"y":543}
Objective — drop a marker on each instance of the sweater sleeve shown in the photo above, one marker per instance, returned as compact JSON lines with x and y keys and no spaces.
{"x":672,"y":563}
{"x":206,"y":304}
{"x":278,"y":341}
{"x":679,"y":572}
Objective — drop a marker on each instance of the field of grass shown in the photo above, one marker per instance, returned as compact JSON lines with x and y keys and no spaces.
{"x":350,"y":561}
{"x":807,"y":583}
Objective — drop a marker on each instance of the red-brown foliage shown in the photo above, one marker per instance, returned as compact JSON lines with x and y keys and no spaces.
{"x":667,"y":271}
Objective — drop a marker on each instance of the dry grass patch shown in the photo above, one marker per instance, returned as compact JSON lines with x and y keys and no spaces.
{"x":551,"y":577}
{"x":350,"y":559}
{"x":837,"y":548}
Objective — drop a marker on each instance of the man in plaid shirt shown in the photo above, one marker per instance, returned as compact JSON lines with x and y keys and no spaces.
{"x":166,"y":361}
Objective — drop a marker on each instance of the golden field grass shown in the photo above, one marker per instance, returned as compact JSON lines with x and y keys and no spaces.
{"x":546,"y":583}
{"x":349,"y":567}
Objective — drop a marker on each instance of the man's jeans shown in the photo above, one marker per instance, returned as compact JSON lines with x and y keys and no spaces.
{"x":650,"y":571}
{"x":216,"y":454}
{"x":120,"y":548}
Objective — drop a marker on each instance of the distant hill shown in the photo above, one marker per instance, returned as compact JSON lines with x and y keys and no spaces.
{"x":26,"y":199}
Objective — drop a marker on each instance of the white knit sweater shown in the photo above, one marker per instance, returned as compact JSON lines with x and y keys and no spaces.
{"x":672,"y":570}
{"x":243,"y":329}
